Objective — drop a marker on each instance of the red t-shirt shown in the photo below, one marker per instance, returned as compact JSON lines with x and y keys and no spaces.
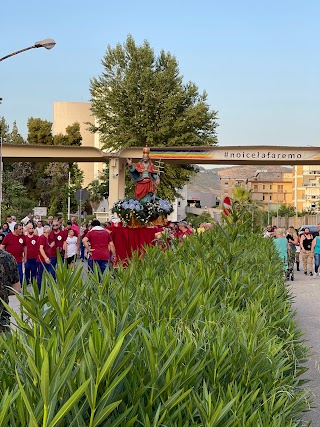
{"x":44,"y":241}
{"x":32,"y":246}
{"x":66,"y":231}
{"x":99,"y":239}
{"x":58,"y":238}
{"x":14,"y":245}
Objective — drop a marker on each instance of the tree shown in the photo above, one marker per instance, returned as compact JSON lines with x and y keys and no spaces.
{"x":286,"y":210}
{"x":140,"y":99}
{"x":14,"y":137}
{"x":15,"y":197}
{"x":196,"y":220}
{"x":245,"y":208}
{"x":39,"y":131}
{"x":4,"y":129}
{"x":241,"y":197}
{"x":71,"y":137}
{"x":98,"y":189}
{"x":44,"y":184}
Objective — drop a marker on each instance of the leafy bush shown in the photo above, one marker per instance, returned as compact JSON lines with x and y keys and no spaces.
{"x":200,"y":336}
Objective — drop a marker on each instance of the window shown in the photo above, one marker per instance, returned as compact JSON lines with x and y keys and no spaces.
{"x":270,"y":197}
{"x":270,"y":186}
{"x":255,"y":188}
{"x":263,"y":197}
{"x":280,"y":188}
{"x":263,"y":187}
{"x":179,"y":204}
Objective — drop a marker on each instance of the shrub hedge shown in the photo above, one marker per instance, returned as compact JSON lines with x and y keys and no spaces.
{"x":201,"y":334}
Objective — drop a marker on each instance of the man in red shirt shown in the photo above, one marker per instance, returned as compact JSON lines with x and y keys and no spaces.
{"x":57,"y":236}
{"x":15,"y":244}
{"x":44,"y":254}
{"x":69,"y":227}
{"x":32,"y":251}
{"x":99,"y":244}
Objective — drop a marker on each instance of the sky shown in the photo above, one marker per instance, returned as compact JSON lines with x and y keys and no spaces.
{"x":258,"y":61}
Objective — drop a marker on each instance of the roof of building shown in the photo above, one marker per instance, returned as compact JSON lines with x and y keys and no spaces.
{"x":270,"y":177}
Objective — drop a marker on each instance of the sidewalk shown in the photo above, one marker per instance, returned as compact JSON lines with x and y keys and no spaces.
{"x":306,"y":292}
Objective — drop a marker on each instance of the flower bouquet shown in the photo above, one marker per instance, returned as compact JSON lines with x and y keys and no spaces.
{"x":133,"y":213}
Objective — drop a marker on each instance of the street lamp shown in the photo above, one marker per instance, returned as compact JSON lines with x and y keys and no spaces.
{"x":46,"y":43}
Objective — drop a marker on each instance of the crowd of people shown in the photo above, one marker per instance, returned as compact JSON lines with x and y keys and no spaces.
{"x":35,"y":244}
{"x":178,"y":231}
{"x":293,"y":246}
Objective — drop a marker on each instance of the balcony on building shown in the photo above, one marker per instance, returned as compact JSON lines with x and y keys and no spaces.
{"x":311,"y":172}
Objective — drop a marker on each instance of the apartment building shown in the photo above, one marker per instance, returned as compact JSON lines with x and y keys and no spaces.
{"x":271,"y":186}
{"x":67,"y":113}
{"x":271,"y":189}
{"x":306,"y":187}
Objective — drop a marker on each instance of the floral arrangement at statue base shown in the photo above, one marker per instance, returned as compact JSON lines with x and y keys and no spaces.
{"x":137,"y":214}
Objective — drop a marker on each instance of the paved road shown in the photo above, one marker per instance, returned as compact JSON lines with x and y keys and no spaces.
{"x":306,"y":291}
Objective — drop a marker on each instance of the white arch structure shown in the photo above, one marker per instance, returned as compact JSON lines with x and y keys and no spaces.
{"x":230,"y":155}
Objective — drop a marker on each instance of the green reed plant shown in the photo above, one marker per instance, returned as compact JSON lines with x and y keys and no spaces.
{"x":201,"y":334}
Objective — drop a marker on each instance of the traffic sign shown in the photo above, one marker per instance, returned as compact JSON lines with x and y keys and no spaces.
{"x":81,"y":195}
{"x":40,"y":210}
{"x":226,"y":206}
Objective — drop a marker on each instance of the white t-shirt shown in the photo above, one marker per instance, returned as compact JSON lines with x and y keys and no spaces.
{"x":39,"y":230}
{"x":11,"y":226}
{"x":71,"y":246}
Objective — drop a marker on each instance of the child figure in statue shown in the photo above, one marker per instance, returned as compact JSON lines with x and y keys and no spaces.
{"x":146,"y":177}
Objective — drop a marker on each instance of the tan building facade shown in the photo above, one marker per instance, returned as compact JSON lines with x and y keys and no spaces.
{"x":272,"y":189}
{"x":67,"y":113}
{"x":271,"y":186}
{"x":306,"y":187}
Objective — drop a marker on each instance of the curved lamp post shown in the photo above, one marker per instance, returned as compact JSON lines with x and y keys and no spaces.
{"x":46,"y":43}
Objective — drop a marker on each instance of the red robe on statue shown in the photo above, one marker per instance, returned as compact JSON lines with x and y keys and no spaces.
{"x":145,"y":185}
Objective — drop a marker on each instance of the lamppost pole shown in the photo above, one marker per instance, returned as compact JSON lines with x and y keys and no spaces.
{"x":46,"y":43}
{"x":1,"y":174}
{"x":1,"y":170}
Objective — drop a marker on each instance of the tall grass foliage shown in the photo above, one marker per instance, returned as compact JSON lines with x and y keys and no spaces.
{"x":199,"y":335}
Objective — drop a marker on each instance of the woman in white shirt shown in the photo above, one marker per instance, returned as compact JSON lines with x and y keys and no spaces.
{"x":71,"y":247}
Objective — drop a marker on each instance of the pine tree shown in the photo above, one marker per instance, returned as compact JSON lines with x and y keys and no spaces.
{"x":14,"y":137}
{"x":4,"y":129}
{"x":140,"y":99}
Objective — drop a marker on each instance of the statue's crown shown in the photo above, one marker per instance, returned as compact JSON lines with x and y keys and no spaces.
{"x":146,"y":150}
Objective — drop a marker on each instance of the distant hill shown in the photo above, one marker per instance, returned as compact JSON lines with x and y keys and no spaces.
{"x":205,"y":181}
{"x":248,"y":171}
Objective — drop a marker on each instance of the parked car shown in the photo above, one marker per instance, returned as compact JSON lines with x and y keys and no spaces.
{"x":313,"y":229}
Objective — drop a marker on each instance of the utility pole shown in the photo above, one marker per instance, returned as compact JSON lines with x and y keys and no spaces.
{"x":1,"y":170}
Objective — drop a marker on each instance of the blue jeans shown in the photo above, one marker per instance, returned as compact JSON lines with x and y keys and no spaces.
{"x":82,"y":250}
{"x":103,"y":264}
{"x":20,"y":271}
{"x":53,"y":261}
{"x":316,"y":262}
{"x":30,"y":269}
{"x":49,"y":269}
